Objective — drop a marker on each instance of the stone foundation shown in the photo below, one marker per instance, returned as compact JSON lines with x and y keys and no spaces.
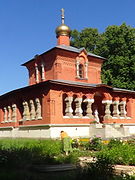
{"x":73,"y":130}
{"x":45,"y":131}
{"x":112,"y":130}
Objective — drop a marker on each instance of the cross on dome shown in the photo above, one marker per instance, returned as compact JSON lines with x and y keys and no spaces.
{"x":62,"y":16}
{"x":62,"y":30}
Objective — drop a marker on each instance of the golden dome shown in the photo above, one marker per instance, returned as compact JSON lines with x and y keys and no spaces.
{"x":63,"y":30}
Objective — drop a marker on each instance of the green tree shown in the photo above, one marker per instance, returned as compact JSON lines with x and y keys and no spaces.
{"x":87,"y":38}
{"x":117,"y":45}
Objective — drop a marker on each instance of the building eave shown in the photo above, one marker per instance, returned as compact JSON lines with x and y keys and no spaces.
{"x":66,"y":48}
{"x":46,"y":83}
{"x":23,"y":89}
{"x":24,"y":64}
{"x":66,"y":83}
{"x":123,"y":90}
{"x":73,"y":83}
{"x":74,"y":49}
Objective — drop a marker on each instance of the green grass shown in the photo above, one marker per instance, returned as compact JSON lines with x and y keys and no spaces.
{"x":17,"y":156}
{"x":119,"y":153}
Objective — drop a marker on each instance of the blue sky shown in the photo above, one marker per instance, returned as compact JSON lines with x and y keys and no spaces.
{"x":27,"y":28}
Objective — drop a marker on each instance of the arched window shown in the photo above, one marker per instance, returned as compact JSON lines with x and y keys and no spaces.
{"x":81,"y":71}
{"x":40,"y":73}
{"x":64,"y":103}
{"x":74,"y":104}
{"x":84,"y":106}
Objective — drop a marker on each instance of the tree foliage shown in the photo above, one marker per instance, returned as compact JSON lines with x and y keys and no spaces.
{"x":117,"y":45}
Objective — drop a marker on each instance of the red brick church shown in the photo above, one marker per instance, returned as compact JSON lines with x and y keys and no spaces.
{"x":65,"y":92}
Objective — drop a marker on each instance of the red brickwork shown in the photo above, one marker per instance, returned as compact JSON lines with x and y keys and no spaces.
{"x":63,"y":40}
{"x":61,"y":64}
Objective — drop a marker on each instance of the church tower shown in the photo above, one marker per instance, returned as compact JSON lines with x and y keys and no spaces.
{"x":63,"y":32}
{"x":64,"y":62}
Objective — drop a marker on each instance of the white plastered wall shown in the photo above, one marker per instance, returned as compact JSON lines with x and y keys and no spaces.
{"x":52,"y":131}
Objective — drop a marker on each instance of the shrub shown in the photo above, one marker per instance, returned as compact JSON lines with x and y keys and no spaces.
{"x":84,"y":145}
{"x":75,"y":143}
{"x":120,"y":154}
{"x":131,"y":141}
{"x":102,"y":169}
{"x":95,"y":144}
{"x":114,"y":143}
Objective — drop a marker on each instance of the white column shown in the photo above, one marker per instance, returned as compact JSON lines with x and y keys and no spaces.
{"x":26,"y":113}
{"x":69,"y":110}
{"x":89,"y":108}
{"x":123,"y":112}
{"x":42,"y":72}
{"x":116,"y":109}
{"x":14,"y":114}
{"x":38,"y":109}
{"x":32,"y":110}
{"x":78,"y":110}
{"x":9,"y":114}
{"x":107,"y":109}
{"x":36,"y":71}
{"x":5,"y":114}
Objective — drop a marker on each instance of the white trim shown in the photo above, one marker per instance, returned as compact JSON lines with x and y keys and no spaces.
{"x":77,"y":69}
{"x":66,"y":117}
{"x":42,"y":72}
{"x":54,"y":125}
{"x":115,"y":102}
{"x":128,"y":118}
{"x":8,"y":127}
{"x":76,"y":117}
{"x":36,"y":71}
{"x":86,"y":69}
{"x":123,"y":117}
{"x":88,"y":100}
{"x":85,"y":117}
{"x":107,"y":101}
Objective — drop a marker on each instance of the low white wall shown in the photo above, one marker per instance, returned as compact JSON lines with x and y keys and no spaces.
{"x":6,"y":132}
{"x":112,"y":130}
{"x":74,"y":131}
{"x":131,"y":128}
{"x":41,"y":131}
